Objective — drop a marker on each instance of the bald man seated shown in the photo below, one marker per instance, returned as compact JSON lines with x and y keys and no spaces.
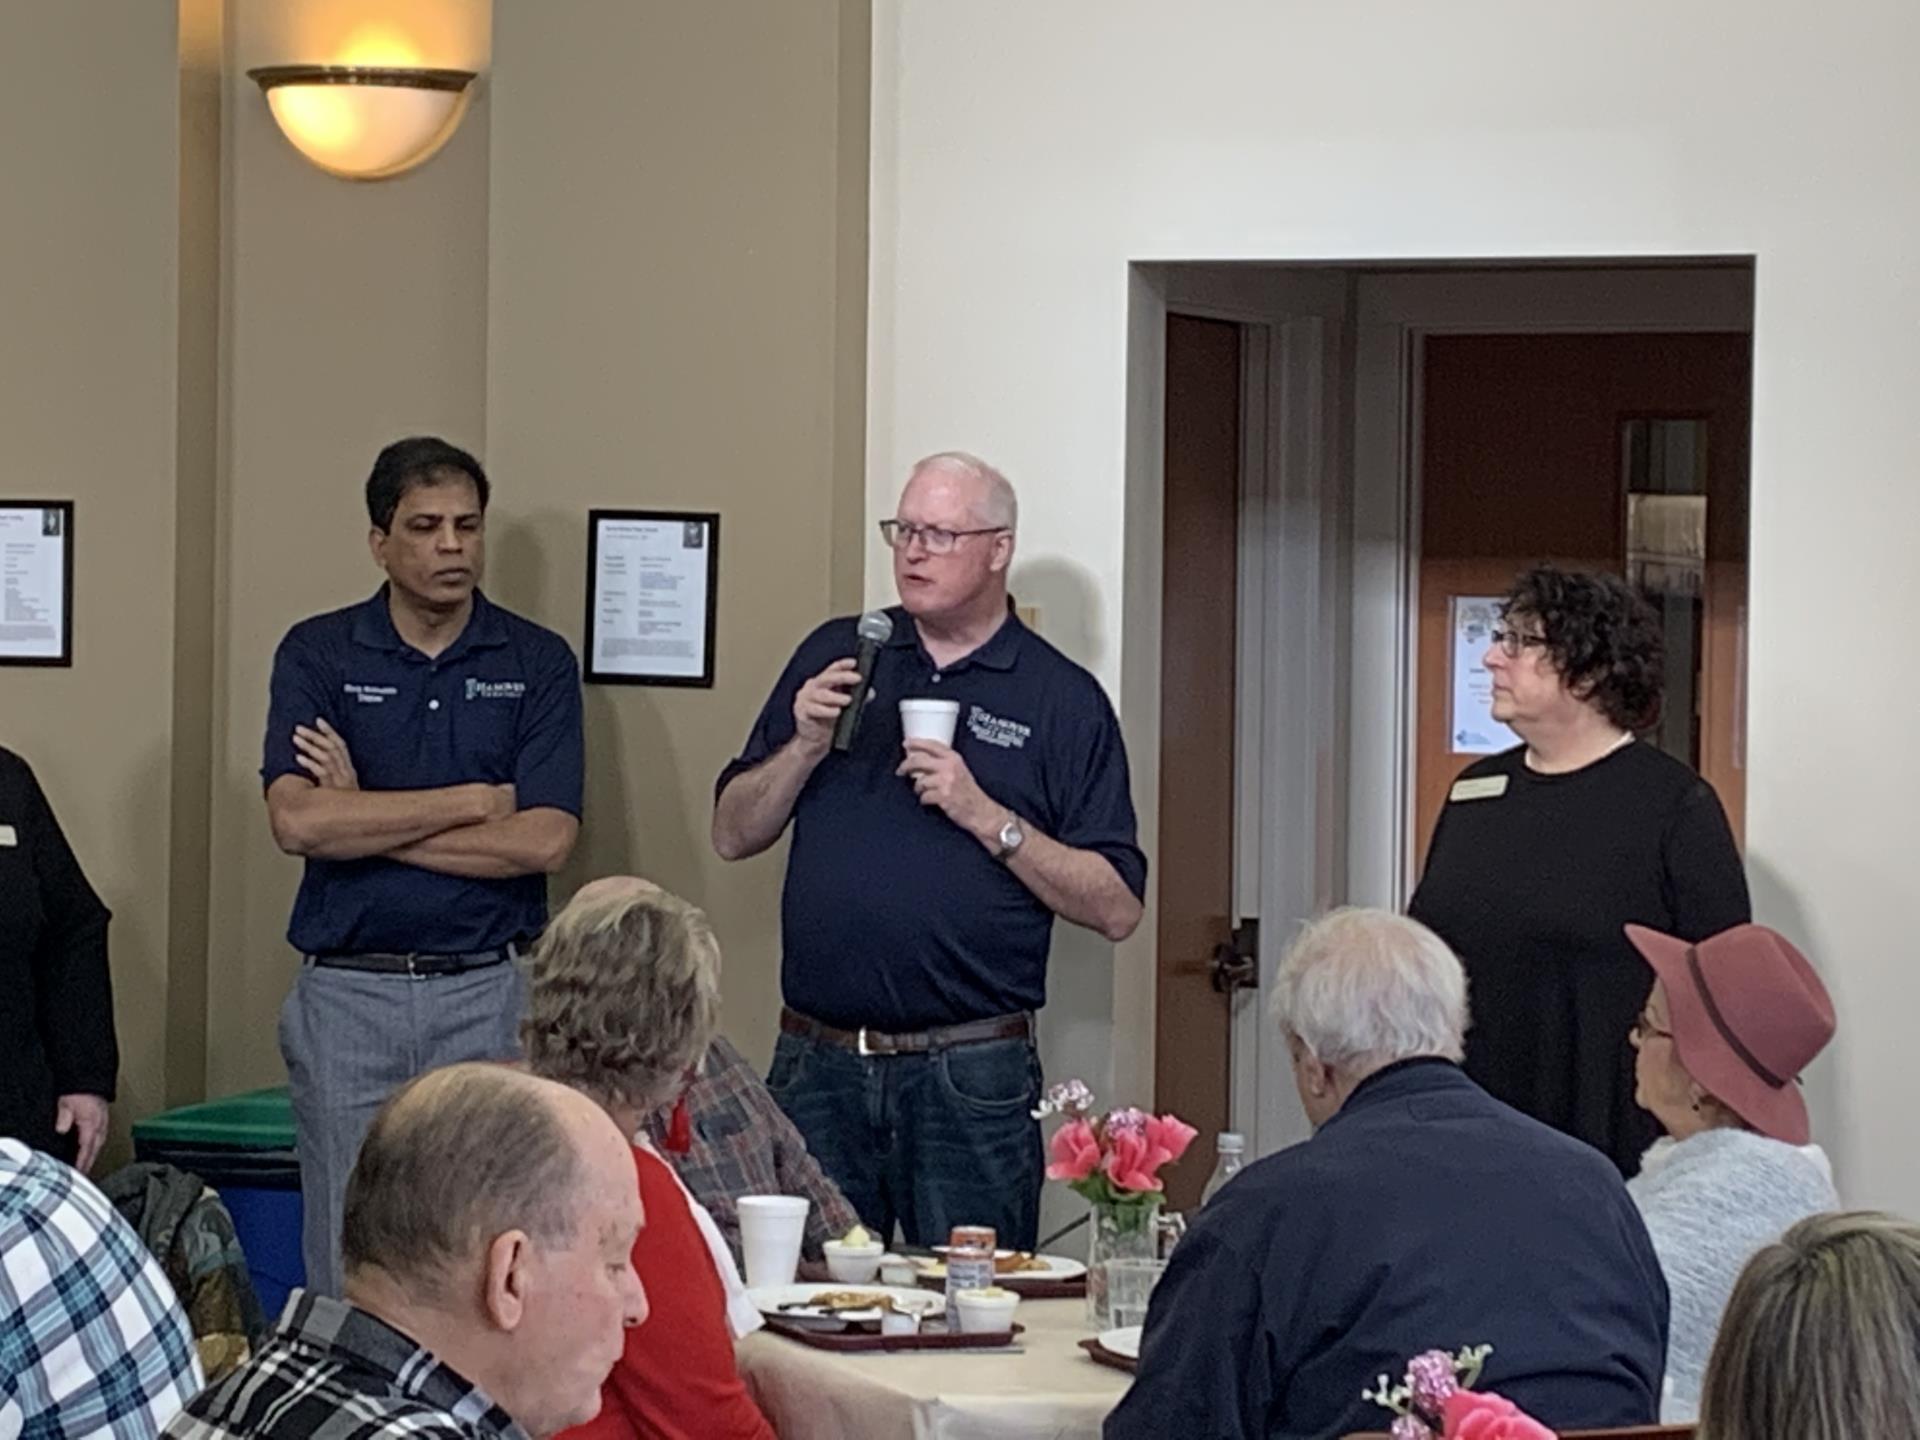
{"x":488,"y":1224}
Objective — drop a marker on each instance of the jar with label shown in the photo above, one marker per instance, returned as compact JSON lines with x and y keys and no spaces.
{"x":969,"y":1264}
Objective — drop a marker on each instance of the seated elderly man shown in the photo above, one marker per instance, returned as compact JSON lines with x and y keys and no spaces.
{"x":487,"y":1225}
{"x":1423,"y":1214}
{"x":92,"y":1340}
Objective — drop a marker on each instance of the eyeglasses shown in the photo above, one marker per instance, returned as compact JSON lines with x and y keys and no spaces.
{"x":1645,"y":1029}
{"x":1512,"y":642}
{"x":900,"y":534}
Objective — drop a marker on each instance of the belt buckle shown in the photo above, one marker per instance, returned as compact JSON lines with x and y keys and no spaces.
{"x":413,"y":972}
{"x":860,"y":1042}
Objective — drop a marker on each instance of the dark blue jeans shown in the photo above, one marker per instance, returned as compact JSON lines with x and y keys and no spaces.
{"x":932,"y":1141}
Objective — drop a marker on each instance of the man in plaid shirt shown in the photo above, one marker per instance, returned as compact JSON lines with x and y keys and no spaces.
{"x":488,"y":1228}
{"x":92,"y":1340}
{"x":744,"y":1144}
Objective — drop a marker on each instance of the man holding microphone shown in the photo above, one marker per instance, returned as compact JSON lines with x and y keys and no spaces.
{"x":924,"y":874}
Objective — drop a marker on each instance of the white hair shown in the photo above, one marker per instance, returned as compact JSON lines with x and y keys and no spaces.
{"x":999,"y":507}
{"x":1364,"y":988}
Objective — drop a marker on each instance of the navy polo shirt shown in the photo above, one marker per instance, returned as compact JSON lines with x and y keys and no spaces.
{"x":893,"y":916}
{"x":501,"y":705}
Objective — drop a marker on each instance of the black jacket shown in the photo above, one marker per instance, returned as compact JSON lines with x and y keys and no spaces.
{"x":1425,"y":1215}
{"x":56,"y":999}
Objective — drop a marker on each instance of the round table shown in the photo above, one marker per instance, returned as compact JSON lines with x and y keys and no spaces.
{"x":1048,"y":1387}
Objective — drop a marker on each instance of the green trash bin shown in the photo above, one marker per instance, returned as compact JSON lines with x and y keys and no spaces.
{"x":243,"y":1147}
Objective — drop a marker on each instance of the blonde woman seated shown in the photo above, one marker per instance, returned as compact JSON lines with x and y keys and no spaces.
{"x":1726,"y":1031}
{"x":624,"y":997}
{"x":1821,"y":1340}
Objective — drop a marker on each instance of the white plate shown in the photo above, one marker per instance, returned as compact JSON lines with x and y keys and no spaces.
{"x":771,"y":1300}
{"x":1059,"y":1267}
{"x":1125,"y":1341}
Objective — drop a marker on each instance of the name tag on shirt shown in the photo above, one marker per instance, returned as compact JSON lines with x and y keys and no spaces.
{"x":1486,"y":787}
{"x":7,"y":838}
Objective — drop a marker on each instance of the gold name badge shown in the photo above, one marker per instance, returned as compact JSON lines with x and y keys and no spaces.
{"x":1487,"y":787}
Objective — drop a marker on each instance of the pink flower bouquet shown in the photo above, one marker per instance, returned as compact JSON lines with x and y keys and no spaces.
{"x":1436,"y":1402}
{"x":1114,"y":1159}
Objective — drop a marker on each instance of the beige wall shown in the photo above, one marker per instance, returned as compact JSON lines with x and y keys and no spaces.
{"x":89,"y":330}
{"x":205,"y":341}
{"x":677,"y":317}
{"x":353,"y":314}
{"x":1025,"y":155}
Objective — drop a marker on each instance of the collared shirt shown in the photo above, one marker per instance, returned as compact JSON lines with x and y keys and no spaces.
{"x":1425,"y":1215}
{"x":501,"y":705}
{"x":331,"y":1371}
{"x":893,"y":916}
{"x":56,"y":998}
{"x":92,"y":1340}
{"x":744,"y":1144}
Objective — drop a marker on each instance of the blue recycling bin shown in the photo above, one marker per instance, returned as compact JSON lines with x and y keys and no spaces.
{"x":242,"y":1146}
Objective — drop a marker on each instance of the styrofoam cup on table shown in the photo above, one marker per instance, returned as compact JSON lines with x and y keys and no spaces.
{"x":772,"y":1228}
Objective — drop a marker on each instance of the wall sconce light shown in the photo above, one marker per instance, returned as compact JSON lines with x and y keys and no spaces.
{"x":365,"y":122}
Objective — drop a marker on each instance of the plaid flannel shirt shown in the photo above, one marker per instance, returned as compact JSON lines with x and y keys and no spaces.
{"x":331,"y":1371}
{"x":743,"y":1144}
{"x":92,"y":1340}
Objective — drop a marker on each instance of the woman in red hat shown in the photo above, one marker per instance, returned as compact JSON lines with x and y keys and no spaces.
{"x":1728,"y":1027}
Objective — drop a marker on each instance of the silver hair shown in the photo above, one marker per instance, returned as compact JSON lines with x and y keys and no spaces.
{"x":999,"y":507}
{"x":1364,"y":988}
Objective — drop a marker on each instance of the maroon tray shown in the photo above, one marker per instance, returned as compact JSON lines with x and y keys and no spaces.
{"x":857,"y":1341}
{"x":1101,"y":1355}
{"x":1074,"y":1289}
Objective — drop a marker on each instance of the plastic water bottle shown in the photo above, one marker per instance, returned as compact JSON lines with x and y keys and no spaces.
{"x":1232,"y":1149}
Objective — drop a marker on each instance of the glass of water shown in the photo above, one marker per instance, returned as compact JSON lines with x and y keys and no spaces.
{"x":1130,"y":1286}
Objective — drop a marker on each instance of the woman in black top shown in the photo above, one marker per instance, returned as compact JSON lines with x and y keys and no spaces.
{"x":1544,"y":853}
{"x":58,"y":1056}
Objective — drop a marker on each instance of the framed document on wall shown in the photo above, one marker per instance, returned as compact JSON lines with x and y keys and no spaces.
{"x":36,"y":582}
{"x":652,"y":597}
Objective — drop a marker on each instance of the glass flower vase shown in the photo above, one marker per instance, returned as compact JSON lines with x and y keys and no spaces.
{"x":1118,"y":1232}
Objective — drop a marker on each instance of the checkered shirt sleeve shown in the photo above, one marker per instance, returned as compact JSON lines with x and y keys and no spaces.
{"x":92,"y":1340}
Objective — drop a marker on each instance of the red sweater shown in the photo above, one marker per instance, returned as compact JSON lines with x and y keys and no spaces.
{"x":677,"y":1379}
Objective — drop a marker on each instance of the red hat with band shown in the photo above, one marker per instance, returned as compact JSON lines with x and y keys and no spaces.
{"x":1748,"y":1014}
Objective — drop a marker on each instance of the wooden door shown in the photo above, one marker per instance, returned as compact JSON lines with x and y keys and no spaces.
{"x":1192,"y":1069}
{"x":1523,"y":452}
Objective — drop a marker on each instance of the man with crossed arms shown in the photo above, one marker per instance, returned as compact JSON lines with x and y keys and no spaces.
{"x":424,"y":757}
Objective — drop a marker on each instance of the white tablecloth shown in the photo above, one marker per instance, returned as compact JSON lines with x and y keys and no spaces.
{"x":1049,"y":1390}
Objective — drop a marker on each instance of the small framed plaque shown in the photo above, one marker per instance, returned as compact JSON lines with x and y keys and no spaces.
{"x":36,"y":582}
{"x":652,"y":597}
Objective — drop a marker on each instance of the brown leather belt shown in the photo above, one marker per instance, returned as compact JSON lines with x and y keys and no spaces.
{"x":874,"y":1042}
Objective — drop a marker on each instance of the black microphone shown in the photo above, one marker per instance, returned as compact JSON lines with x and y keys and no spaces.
{"x":875,"y":629}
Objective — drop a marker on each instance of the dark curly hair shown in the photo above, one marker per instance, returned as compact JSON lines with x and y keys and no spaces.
{"x":1602,"y":636}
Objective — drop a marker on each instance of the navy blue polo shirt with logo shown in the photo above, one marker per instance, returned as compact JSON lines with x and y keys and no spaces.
{"x":894,"y":917}
{"x":501,"y":705}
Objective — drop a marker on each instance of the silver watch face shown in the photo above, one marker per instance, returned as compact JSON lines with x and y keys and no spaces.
{"x":1011,"y":835}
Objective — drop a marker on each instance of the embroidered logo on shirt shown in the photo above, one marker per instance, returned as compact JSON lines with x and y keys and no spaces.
{"x":370,"y":694}
{"x":496,"y":689}
{"x":992,"y":730}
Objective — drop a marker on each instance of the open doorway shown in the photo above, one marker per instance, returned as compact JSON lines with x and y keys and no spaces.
{"x":1352,"y":460}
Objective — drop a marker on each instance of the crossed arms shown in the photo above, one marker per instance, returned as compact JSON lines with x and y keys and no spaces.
{"x":473,"y":830}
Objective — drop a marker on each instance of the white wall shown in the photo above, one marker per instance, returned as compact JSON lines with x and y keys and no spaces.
{"x":1024,"y":155}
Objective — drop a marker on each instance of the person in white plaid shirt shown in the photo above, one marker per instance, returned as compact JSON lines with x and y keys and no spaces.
{"x":488,"y":1225}
{"x":92,"y":1339}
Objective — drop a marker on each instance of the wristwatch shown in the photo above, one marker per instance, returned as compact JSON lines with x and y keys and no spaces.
{"x":1012,"y":837}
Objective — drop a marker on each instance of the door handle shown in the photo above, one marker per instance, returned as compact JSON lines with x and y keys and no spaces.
{"x":1236,"y":963}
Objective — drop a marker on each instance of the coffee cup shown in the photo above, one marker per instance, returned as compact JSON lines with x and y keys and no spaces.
{"x":930,"y":719}
{"x":772,"y":1228}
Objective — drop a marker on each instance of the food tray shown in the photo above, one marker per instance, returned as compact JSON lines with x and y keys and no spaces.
{"x":1074,"y":1289}
{"x":1100,"y":1355}
{"x":858,"y":1341}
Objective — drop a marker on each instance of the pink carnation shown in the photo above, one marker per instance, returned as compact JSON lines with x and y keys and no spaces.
{"x":1472,"y":1415}
{"x":1129,"y":1159}
{"x":1075,"y":1152}
{"x":1169,"y":1135}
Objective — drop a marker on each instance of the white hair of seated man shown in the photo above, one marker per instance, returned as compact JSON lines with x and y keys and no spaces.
{"x":1359,"y":990}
